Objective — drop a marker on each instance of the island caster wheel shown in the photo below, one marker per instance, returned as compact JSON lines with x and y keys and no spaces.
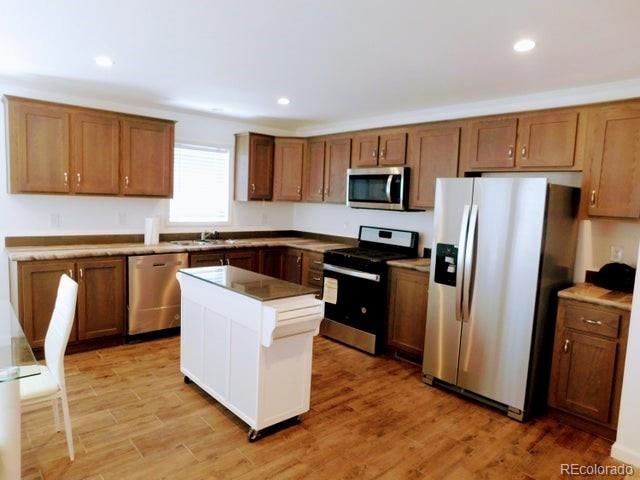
{"x":253,"y":435}
{"x":187,"y":380}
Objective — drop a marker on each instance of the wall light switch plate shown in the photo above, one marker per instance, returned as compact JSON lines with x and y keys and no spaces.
{"x":617,"y":252}
{"x":122,"y":219}
{"x":54,"y":220}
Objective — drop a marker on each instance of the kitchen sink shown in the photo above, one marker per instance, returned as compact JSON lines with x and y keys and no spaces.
{"x":200,"y":243}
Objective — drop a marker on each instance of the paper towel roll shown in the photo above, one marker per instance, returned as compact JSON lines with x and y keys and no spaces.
{"x":151,"y":231}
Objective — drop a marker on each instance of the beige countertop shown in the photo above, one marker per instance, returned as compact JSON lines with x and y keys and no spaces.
{"x":418,"y":264}
{"x":587,"y":292}
{"x":114,"y":249}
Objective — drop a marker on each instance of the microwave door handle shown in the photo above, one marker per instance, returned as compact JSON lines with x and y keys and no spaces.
{"x":388,"y":189}
{"x":469,"y":262}
{"x":462,"y":243}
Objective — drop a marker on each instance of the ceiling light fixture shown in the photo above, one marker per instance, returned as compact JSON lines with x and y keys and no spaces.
{"x":104,"y":61}
{"x":524,"y":45}
{"x":283,"y":101}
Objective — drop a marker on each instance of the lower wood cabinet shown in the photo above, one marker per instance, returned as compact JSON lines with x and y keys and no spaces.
{"x":312,"y":269}
{"x":272,"y":262}
{"x":100,"y":310}
{"x":407,"y":316}
{"x":243,"y":258}
{"x":588,"y":365}
{"x":292,"y":265}
{"x":206,"y":259}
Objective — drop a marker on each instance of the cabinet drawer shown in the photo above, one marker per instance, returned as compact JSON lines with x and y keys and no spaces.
{"x":593,"y":320}
{"x":313,"y":278}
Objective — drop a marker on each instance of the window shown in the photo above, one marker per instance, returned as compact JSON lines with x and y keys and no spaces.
{"x":200,"y":185}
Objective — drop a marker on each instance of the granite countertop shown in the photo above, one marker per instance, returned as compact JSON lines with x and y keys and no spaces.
{"x":114,"y":249}
{"x":587,"y":292}
{"x":250,"y":284}
{"x":418,"y":264}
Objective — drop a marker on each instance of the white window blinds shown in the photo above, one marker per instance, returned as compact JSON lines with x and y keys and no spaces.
{"x":200,"y":185}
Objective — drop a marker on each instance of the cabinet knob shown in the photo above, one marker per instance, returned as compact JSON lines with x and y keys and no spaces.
{"x":523,"y":152}
{"x":592,"y":201}
{"x":126,"y":180}
{"x":566,"y":346}
{"x":253,"y":188}
{"x":510,"y":151}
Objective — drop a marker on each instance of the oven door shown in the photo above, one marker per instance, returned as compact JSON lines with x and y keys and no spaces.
{"x":381,"y":188}
{"x":360,"y":300}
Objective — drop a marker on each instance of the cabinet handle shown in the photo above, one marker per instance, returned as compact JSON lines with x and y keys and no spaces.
{"x":510,"y":151}
{"x":66,"y":179}
{"x":317,"y":262}
{"x":523,"y":152}
{"x":126,"y":180}
{"x":326,"y":191}
{"x":566,"y":346}
{"x":78,"y":178}
{"x":320,"y":191}
{"x":591,"y":322}
{"x":382,"y":153}
{"x":71,"y":273}
{"x":81,"y":273}
{"x":317,"y":279}
{"x":374,"y":153}
{"x":253,"y":188}
{"x":593,"y":198}
{"x":221,"y":262}
{"x":228,"y":262}
{"x":299,"y":190}
{"x":299,"y":259}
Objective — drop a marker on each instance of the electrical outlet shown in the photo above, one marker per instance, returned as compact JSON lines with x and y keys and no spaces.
{"x":617,"y":252}
{"x":122,"y":219}
{"x":54,"y":220}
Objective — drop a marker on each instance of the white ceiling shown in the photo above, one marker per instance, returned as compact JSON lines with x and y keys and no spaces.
{"x":337,"y":60}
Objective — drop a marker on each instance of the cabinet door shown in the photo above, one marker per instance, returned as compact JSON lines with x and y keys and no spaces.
{"x":260,"y":167}
{"x":38,"y":147}
{"x":393,"y":148}
{"x":288,"y":161}
{"x":492,"y":143}
{"x":337,"y":161}
{"x":293,"y":266}
{"x":312,"y":190}
{"x":614,"y":155}
{"x":408,"y":294}
{"x":147,"y":157}
{"x":547,"y":139}
{"x":100,"y":297}
{"x":272,"y":262}
{"x":245,"y":259}
{"x":38,"y":290}
{"x":365,"y":150}
{"x":433,"y":153}
{"x":312,"y":275}
{"x":95,"y":153}
{"x":208,"y":259}
{"x":583,"y":373}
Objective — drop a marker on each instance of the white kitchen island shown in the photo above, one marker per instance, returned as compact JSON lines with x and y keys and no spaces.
{"x":247,"y":340}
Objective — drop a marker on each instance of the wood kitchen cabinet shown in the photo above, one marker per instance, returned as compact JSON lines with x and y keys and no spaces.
{"x":292,"y":265}
{"x":379,"y":148}
{"x":246,"y":259}
{"x":206,"y":259}
{"x":337,"y":161}
{"x":288,"y":167}
{"x":147,"y":157}
{"x":38,"y":140}
{"x":492,"y":143}
{"x":254,"y":166}
{"x":95,"y":153}
{"x":588,"y":364}
{"x":613,"y":159}
{"x":407,"y":315}
{"x":547,"y":139}
{"x":433,"y":153}
{"x":311,"y":274}
{"x":101,"y":287}
{"x":313,"y":171}
{"x":272,"y":262}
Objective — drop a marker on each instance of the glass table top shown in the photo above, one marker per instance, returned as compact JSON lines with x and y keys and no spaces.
{"x":16,"y":357}
{"x":248,"y":283}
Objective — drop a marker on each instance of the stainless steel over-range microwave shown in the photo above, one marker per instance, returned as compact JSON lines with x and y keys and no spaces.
{"x":384,"y":188}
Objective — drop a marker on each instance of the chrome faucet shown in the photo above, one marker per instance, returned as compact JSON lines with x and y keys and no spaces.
{"x":213,"y":235}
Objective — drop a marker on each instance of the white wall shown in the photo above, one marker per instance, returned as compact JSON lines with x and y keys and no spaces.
{"x":627,"y":445}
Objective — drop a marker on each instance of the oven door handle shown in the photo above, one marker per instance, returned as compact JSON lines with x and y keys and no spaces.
{"x":352,"y":273}
{"x":388,"y":189}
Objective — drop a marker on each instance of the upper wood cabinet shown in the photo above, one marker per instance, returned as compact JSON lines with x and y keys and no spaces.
{"x":612,"y":181}
{"x":547,"y":140}
{"x":56,"y":148}
{"x":313,"y":171}
{"x":288,"y":167}
{"x":383,"y":148}
{"x":95,"y":153}
{"x":337,"y":161}
{"x":147,"y":157}
{"x":254,"y":166}
{"x":492,"y":143}
{"x":433,"y":153}
{"x":38,"y":147}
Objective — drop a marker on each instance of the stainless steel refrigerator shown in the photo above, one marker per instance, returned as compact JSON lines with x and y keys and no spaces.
{"x":502,"y":248}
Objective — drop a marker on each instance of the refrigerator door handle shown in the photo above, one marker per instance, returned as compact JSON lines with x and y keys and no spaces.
{"x":468,"y":263}
{"x":462,"y":244}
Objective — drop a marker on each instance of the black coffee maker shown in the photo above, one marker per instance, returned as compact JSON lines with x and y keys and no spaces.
{"x":616,"y":276}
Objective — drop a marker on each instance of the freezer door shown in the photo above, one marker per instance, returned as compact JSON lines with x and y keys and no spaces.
{"x":501,"y":282}
{"x":442,"y":334}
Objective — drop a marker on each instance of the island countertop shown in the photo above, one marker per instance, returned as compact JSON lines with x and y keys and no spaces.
{"x":251,"y":284}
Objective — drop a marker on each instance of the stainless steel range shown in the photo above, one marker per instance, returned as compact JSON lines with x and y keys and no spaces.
{"x":355,"y":315}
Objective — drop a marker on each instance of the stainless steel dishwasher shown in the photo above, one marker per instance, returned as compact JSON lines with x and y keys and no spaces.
{"x":154,"y":292}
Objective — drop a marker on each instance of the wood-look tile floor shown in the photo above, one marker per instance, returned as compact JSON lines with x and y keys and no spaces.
{"x":371,"y":417}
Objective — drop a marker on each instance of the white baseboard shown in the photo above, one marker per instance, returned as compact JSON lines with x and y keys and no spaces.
{"x":625,"y":454}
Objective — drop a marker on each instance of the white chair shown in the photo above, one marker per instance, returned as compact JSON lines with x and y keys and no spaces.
{"x":50,"y":385}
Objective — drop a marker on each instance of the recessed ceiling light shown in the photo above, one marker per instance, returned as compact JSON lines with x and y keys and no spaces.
{"x":524,"y":45}
{"x":104,"y":61}
{"x":283,"y":101}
